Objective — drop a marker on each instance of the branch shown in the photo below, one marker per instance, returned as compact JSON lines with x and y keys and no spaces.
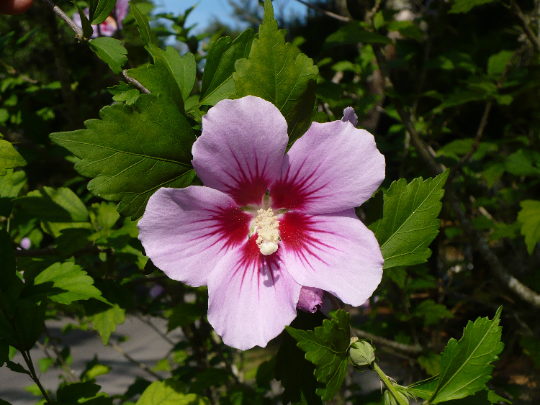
{"x":135,"y":362}
{"x":328,"y":13}
{"x":401,"y":347}
{"x":33,"y":375}
{"x":78,"y":31}
{"x":135,"y":82}
{"x":477,"y":239}
{"x":59,"y":356}
{"x":525,"y":25}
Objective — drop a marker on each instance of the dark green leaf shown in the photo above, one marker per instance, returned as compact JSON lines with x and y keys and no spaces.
{"x":522,"y":163}
{"x":133,"y":151}
{"x":217,"y":80}
{"x":16,"y":367}
{"x":10,"y":186}
{"x":102,"y":11}
{"x":87,"y":28}
{"x":278,"y":72}
{"x":409,"y":222}
{"x":144,"y":28}
{"x":28,"y":322}
{"x":67,"y":282}
{"x":169,"y":392}
{"x":466,"y":364}
{"x":326,"y":347}
{"x":354,"y":33}
{"x":432,"y":312}
{"x":529,"y":217}
{"x":497,"y":63}
{"x":111,"y":51}
{"x":184,"y":314}
{"x":424,"y":389}
{"x":293,"y":370}
{"x":72,"y":393}
{"x":464,"y":6}
{"x":9,"y":157}
{"x":406,"y":28}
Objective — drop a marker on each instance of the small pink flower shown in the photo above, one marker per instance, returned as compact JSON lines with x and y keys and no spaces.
{"x":267,"y":223}
{"x":113,"y":22}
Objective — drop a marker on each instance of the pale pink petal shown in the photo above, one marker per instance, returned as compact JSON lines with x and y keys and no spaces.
{"x":121,"y":10}
{"x":78,"y":22}
{"x":333,"y":252}
{"x":108,"y":27}
{"x":251,"y":297}
{"x":311,"y":299}
{"x":332,"y":167}
{"x":186,"y":231}
{"x":241,"y":148}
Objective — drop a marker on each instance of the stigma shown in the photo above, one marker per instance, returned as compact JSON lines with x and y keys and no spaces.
{"x":267,"y":227}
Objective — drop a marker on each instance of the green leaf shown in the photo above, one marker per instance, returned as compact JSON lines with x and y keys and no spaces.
{"x":28,"y":321}
{"x":521,"y":163}
{"x":102,"y":10}
{"x":278,"y":72}
{"x":111,"y":51}
{"x":409,"y":223}
{"x":144,"y":28}
{"x":169,"y":392}
{"x":87,"y":28}
{"x":67,"y":282}
{"x":10,"y":187}
{"x":217,"y":80}
{"x":326,"y":347}
{"x":529,"y":216}
{"x":497,"y":62}
{"x":293,"y":370}
{"x":17,"y":368}
{"x":74,"y":392}
{"x":531,"y":347}
{"x":424,"y":389}
{"x":133,"y":151}
{"x":9,"y":157}
{"x":105,"y":321}
{"x":123,"y":92}
{"x":464,"y":6}
{"x":54,"y":205}
{"x":406,"y":28}
{"x":466,"y":364}
{"x":184,"y":314}
{"x":354,"y":33}
{"x":7,"y":263}
{"x":431,"y":312}
{"x":171,"y":75}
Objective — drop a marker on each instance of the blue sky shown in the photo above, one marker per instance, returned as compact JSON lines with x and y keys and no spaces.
{"x":207,"y":9}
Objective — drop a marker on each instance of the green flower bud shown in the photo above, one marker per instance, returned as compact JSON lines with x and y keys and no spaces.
{"x":390,"y":400}
{"x":361,"y":353}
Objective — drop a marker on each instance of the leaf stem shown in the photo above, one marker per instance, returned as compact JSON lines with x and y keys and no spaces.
{"x":388,"y":384}
{"x":65,"y":17}
{"x":33,"y":375}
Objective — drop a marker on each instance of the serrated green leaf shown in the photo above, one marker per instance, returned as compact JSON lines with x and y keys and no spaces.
{"x":497,"y":62}
{"x":466,"y":364}
{"x":182,"y":68}
{"x":409,"y":223}
{"x":133,"y":151}
{"x":105,"y":322}
{"x":87,"y":28}
{"x":424,"y":389}
{"x":144,"y":28}
{"x":529,"y":217}
{"x":54,"y":205}
{"x":495,"y":399}
{"x":102,"y":10}
{"x":169,"y":392}
{"x":464,"y":6}
{"x":354,"y":33}
{"x":217,"y":81}
{"x":111,"y":51}
{"x":326,"y":347}
{"x":278,"y":72}
{"x":431,"y":312}
{"x":9,"y":157}
{"x":65,"y":283}
{"x":521,"y":163}
{"x":293,"y":370}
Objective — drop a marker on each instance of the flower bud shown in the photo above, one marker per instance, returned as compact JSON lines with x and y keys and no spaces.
{"x":361,"y":353}
{"x":390,"y":400}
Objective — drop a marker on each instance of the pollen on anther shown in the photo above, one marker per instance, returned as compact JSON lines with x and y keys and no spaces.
{"x":267,"y":227}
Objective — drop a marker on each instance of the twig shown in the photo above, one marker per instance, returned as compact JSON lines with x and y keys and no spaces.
{"x":401,"y":347}
{"x":59,"y":356}
{"x":33,"y":375}
{"x":525,"y":25}
{"x":48,"y":251}
{"x":156,"y":329}
{"x":133,"y":361}
{"x":477,"y":239}
{"x":135,"y":82}
{"x":65,"y":17}
{"x":328,"y":13}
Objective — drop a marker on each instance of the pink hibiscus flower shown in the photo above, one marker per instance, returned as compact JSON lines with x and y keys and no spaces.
{"x":267,"y":223}
{"x":113,"y":22}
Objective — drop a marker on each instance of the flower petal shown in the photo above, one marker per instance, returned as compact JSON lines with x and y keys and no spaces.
{"x":241,"y":148}
{"x":333,"y":252}
{"x":311,"y":299}
{"x":186,"y":231}
{"x":251,"y":297}
{"x":332,"y":167}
